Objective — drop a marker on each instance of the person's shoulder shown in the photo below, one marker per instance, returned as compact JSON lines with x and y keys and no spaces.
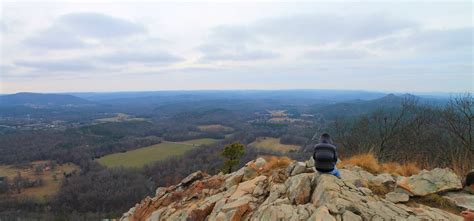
{"x":325,"y":145}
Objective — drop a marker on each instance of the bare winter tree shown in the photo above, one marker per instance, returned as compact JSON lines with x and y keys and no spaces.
{"x":458,"y":118}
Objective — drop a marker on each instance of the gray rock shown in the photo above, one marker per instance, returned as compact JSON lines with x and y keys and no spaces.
{"x":322,"y":214}
{"x":461,"y":199}
{"x":350,"y":216}
{"x":192,"y":177}
{"x":299,"y":167}
{"x":260,"y":162}
{"x":310,"y":163}
{"x":234,"y":179}
{"x":299,"y":188}
{"x":397,"y":197}
{"x":427,"y":182}
{"x":249,"y":173}
{"x":384,"y":179}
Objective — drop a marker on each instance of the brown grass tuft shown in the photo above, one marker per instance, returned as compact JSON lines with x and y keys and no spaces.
{"x":437,"y":201}
{"x":409,"y":169}
{"x":377,"y":189}
{"x":371,"y":164}
{"x":396,"y":169}
{"x":274,"y":162}
{"x":366,"y":161}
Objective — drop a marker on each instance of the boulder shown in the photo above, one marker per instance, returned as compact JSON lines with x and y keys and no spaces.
{"x":428,"y":182}
{"x":234,"y":210}
{"x":299,"y":188}
{"x":260,"y":162}
{"x":192,"y":177}
{"x":299,"y":167}
{"x":322,"y":214}
{"x":249,"y":173}
{"x":384,"y":179}
{"x":397,"y":197}
{"x":310,"y":163}
{"x":356,"y":175}
{"x":350,"y":216}
{"x":279,"y":176}
{"x":234,"y":178}
{"x":462,"y":199}
{"x":247,"y":187}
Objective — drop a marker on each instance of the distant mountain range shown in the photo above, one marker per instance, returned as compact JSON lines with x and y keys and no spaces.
{"x":357,"y":107}
{"x":38,"y":99}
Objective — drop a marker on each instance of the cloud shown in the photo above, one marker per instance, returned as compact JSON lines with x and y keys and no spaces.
{"x":336,"y":54}
{"x":99,"y":25}
{"x":3,"y":27}
{"x":314,"y":29}
{"x":71,"y":30}
{"x":258,"y":40}
{"x":432,"y":40}
{"x":139,"y":57}
{"x":64,"y":65}
{"x":243,"y":55}
{"x":55,"y":38}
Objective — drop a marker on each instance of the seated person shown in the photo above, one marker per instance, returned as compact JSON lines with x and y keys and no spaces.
{"x":325,"y":156}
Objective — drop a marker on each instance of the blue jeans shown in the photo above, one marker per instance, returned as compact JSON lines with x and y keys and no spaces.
{"x":335,"y":172}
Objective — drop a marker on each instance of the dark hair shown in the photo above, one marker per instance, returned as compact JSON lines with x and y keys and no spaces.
{"x":325,"y":136}
{"x":469,"y":178}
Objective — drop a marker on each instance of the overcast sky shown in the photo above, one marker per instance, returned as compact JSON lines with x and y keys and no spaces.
{"x":399,"y":47}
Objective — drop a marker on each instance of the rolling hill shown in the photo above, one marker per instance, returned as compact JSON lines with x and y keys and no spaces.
{"x":40,"y":99}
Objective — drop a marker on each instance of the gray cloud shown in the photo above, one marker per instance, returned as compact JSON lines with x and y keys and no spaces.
{"x":55,"y":38}
{"x":243,"y":55}
{"x":336,"y":54}
{"x":314,"y":29}
{"x":139,"y":57}
{"x":65,"y":65}
{"x":99,"y":25}
{"x":3,"y":27}
{"x":69,"y":30}
{"x":432,"y":40}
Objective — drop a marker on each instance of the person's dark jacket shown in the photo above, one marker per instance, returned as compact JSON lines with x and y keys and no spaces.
{"x":325,"y":156}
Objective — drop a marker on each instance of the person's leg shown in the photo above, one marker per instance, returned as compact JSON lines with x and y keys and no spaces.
{"x":336,"y":172}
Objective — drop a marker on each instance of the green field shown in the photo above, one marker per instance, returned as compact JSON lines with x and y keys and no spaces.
{"x":142,"y":156}
{"x":202,"y":141}
{"x":145,"y":155}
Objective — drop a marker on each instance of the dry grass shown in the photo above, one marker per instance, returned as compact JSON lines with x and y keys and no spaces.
{"x":273,"y":162}
{"x":437,"y":201}
{"x":369,"y":163}
{"x":366,"y":161}
{"x":270,"y":143}
{"x":377,"y":189}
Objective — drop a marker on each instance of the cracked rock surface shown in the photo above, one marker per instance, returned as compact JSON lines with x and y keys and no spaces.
{"x":293,"y":193}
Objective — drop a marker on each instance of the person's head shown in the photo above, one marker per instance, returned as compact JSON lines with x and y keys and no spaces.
{"x":325,"y":138}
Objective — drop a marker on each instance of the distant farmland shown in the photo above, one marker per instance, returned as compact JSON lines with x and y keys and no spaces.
{"x":274,"y":144}
{"x":146,"y":155}
{"x":52,"y":178}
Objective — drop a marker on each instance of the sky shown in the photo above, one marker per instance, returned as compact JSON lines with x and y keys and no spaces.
{"x":67,"y":46}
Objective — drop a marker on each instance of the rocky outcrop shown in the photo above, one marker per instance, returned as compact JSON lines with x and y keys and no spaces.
{"x":293,"y":192}
{"x":428,"y":182}
{"x":462,"y":199}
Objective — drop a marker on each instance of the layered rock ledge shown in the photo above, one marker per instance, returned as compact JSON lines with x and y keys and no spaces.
{"x":260,"y":191}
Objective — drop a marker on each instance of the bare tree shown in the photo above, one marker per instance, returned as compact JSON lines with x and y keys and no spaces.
{"x":457,"y":119}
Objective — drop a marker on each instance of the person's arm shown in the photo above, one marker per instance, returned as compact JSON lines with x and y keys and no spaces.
{"x":467,"y":215}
